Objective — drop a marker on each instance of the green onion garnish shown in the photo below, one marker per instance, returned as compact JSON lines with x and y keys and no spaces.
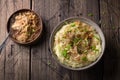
{"x":84,"y":58}
{"x":72,"y":25}
{"x":64,"y":53}
{"x":90,"y":14}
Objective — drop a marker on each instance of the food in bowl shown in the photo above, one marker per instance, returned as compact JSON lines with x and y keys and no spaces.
{"x":25,"y":26}
{"x":77,"y":44}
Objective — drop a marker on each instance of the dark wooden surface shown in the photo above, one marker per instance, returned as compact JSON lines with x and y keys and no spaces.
{"x":32,"y":63}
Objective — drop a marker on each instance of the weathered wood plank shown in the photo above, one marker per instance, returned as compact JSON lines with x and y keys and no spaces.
{"x":16,"y":62}
{"x":49,"y":10}
{"x":2,"y":37}
{"x":110,"y":21}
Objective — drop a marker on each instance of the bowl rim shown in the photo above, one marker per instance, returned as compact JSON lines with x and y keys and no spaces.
{"x":90,"y":22}
{"x":40,"y":25}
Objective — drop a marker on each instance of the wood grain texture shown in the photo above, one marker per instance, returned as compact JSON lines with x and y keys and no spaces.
{"x":36,"y":63}
{"x":110,"y":17}
{"x":49,"y":11}
{"x":2,"y":35}
{"x":15,"y":65}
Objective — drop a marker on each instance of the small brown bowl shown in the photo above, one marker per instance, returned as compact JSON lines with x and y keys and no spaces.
{"x":33,"y":41}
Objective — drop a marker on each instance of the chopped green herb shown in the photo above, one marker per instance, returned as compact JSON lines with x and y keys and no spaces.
{"x":90,"y":14}
{"x":64,"y":53}
{"x":76,"y":40}
{"x":96,"y":37}
{"x":86,"y":42}
{"x":85,"y":51}
{"x":33,"y":30}
{"x":93,"y":47}
{"x":66,"y":23}
{"x":96,"y":50}
{"x":68,"y":47}
{"x":72,"y":24}
{"x":84,"y":58}
{"x":49,"y":63}
{"x":113,"y":27}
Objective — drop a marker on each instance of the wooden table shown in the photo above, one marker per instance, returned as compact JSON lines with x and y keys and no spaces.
{"x":34,"y":62}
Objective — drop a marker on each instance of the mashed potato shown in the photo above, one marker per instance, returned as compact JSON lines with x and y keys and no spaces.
{"x":77,"y":44}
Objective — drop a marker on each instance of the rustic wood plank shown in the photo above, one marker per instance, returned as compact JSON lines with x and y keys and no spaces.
{"x":110,"y":21}
{"x":49,"y":10}
{"x":16,"y":59}
{"x":2,"y":37}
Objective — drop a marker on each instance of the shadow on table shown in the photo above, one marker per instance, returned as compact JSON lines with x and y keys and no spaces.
{"x":111,"y":69}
